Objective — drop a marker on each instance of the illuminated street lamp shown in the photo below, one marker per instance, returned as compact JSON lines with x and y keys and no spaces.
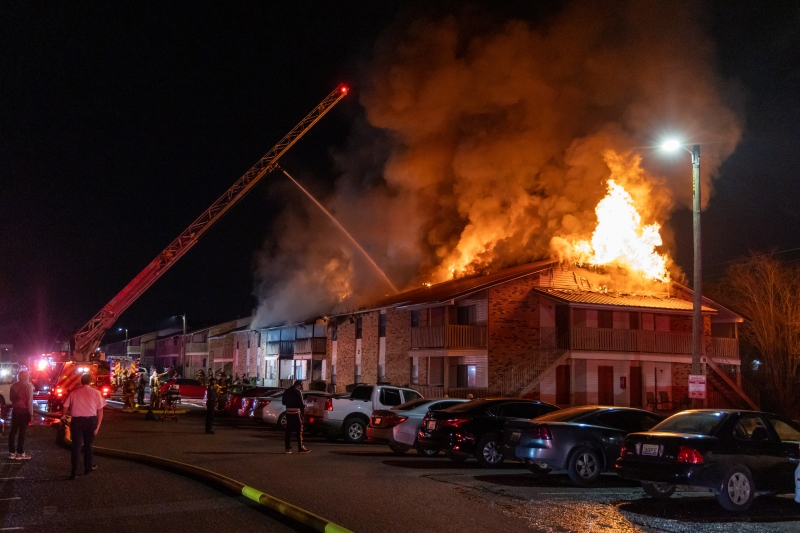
{"x":673,"y":145}
{"x":126,"y":339}
{"x":183,"y":346}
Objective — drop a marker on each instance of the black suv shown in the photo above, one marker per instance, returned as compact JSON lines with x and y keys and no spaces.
{"x":476,"y":427}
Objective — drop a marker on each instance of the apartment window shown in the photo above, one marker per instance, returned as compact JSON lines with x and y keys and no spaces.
{"x":437,"y":316}
{"x":466,"y":315}
{"x":358,"y":328}
{"x":605,"y":319}
{"x":174,"y":341}
{"x":415,"y":319}
{"x":382,"y":325}
{"x":634,"y":320}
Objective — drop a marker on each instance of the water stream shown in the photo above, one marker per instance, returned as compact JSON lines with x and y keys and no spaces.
{"x":347,"y":234}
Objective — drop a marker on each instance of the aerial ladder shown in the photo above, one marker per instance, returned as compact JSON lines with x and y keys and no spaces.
{"x":87,"y":339}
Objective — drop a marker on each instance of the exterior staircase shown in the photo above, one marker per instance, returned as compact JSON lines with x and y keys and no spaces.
{"x":518,"y":381}
{"x":735,"y":395}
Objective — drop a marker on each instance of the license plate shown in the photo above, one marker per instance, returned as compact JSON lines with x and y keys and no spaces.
{"x":515,"y":436}
{"x":377,"y":421}
{"x":431,"y":425}
{"x":650,"y":449}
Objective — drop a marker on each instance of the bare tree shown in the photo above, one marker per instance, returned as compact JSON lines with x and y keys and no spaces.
{"x":767,"y":292}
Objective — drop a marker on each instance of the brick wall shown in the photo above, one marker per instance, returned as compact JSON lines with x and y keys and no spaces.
{"x":680,"y":381}
{"x":346,"y":354}
{"x":513,"y":325}
{"x":369,"y":347}
{"x":398,"y":343}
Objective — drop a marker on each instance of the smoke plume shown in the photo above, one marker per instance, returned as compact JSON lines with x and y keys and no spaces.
{"x":484,"y":141}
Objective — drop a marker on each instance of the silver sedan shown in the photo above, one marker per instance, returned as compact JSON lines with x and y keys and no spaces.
{"x":272,"y":408}
{"x":399,"y":425}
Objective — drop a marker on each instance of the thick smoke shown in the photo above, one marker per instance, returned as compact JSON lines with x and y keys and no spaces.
{"x":484,"y":142}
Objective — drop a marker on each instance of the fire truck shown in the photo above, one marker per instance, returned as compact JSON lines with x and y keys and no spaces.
{"x":69,"y":377}
{"x":87,"y":339}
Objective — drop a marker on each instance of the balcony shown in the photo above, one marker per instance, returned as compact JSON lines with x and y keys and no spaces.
{"x":631,"y":340}
{"x":315,"y":345}
{"x":196,"y":348}
{"x":283,"y":349}
{"x":724,"y":348}
{"x":450,"y":336}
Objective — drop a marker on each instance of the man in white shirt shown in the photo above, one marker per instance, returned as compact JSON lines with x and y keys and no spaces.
{"x":85,"y":404}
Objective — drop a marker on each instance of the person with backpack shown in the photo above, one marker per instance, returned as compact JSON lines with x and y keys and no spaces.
{"x":21,"y":396}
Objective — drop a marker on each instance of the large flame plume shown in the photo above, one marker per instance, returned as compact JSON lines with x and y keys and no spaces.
{"x":620,"y":238}
{"x":483,"y":139}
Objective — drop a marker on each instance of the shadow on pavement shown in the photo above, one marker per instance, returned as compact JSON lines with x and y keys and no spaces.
{"x":555,"y":481}
{"x":706,"y":509}
{"x":429,"y":464}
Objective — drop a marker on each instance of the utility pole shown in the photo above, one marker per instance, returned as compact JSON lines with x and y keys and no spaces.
{"x":697,"y":315}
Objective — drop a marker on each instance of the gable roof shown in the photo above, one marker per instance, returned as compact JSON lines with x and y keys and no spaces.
{"x":619,"y":300}
{"x":456,"y":288}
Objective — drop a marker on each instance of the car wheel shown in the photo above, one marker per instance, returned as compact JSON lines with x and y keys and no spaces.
{"x":399,"y":449}
{"x":456,"y":456}
{"x":538,"y":470}
{"x":488,"y":453}
{"x":737,"y":490}
{"x":355,"y":431}
{"x":426,"y":452}
{"x":282,"y":422}
{"x":584,"y":466}
{"x":658,"y":491}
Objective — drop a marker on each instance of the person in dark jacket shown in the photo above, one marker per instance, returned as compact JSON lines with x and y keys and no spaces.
{"x":295,"y":410}
{"x":140,"y":386}
{"x":211,"y":405}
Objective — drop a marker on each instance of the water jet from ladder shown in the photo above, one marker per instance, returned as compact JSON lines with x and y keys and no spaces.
{"x":347,"y":234}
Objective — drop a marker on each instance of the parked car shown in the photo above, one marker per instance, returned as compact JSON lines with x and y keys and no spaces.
{"x":349,"y":416}
{"x":258,"y":403}
{"x":584,"y":441}
{"x":733,"y":453}
{"x":476,"y":427}
{"x":272,"y":411}
{"x":398,"y":427}
{"x":189,"y":388}
{"x":236,"y":404}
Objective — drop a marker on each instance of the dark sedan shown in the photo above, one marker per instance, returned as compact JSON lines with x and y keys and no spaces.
{"x":476,"y":427}
{"x":735,"y":454}
{"x":584,"y":441}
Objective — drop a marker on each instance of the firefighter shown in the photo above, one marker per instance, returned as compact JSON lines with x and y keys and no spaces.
{"x":129,"y":391}
{"x":200,"y":376}
{"x":211,"y":405}
{"x":155,"y":390}
{"x":222,"y":390}
{"x":140,"y":386}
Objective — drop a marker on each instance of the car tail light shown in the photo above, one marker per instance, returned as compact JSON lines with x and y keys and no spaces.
{"x":453,"y":422}
{"x":542,"y":433}
{"x":59,"y":392}
{"x":689,"y":455}
{"x":388,"y":421}
{"x":329,"y":404}
{"x":622,"y":451}
{"x":106,"y":390}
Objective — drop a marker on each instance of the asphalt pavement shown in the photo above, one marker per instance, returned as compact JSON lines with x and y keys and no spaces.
{"x":362,"y":487}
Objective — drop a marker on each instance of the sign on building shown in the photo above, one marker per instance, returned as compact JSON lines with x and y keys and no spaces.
{"x":697,"y":386}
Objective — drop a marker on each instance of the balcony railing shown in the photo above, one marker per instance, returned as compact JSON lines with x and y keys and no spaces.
{"x":433,"y":392}
{"x":281,"y":348}
{"x":449,"y":336}
{"x":724,"y":348}
{"x":631,"y":340}
{"x":316,"y":345}
{"x":196,"y":347}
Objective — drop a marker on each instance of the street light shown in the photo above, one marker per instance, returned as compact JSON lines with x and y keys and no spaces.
{"x":673,"y":145}
{"x":126,"y":339}
{"x":183,"y":345}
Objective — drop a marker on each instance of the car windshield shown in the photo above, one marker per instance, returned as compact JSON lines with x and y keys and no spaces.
{"x":695,"y":423}
{"x":408,"y":406}
{"x":566,"y":415}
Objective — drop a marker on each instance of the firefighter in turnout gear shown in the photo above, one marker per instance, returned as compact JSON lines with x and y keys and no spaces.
{"x":129,"y":392}
{"x":211,"y":405}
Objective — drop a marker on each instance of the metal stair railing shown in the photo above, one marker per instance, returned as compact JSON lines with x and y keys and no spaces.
{"x":732,"y":385}
{"x":516,"y":378}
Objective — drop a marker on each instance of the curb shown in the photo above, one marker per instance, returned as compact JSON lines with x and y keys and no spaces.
{"x":224,"y":483}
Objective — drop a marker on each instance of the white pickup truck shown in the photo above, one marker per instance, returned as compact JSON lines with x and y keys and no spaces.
{"x":348,"y":416}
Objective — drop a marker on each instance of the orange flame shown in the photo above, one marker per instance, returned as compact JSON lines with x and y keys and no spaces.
{"x":620,"y":238}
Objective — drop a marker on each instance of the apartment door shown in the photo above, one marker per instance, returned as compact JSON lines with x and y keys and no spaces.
{"x":636,"y":386}
{"x":562,"y":327}
{"x":605,"y":385}
{"x":562,"y":385}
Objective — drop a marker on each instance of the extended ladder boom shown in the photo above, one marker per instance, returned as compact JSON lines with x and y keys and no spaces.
{"x":89,"y":336}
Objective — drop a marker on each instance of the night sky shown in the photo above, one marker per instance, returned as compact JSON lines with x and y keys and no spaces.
{"x":122,"y":122}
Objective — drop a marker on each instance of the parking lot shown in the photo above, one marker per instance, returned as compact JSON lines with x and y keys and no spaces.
{"x":369,"y":488}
